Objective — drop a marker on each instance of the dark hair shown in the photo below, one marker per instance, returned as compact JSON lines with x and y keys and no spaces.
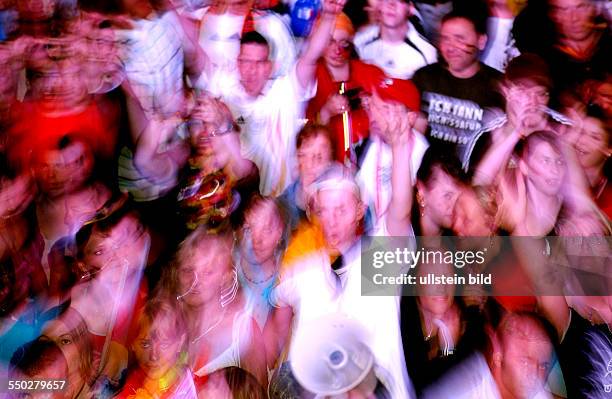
{"x":254,"y":37}
{"x":435,"y":160}
{"x":312,"y":130}
{"x":473,"y":11}
{"x":528,"y":67}
{"x":538,"y":137}
{"x":34,"y":357}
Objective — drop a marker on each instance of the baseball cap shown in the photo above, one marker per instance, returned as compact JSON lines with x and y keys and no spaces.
{"x":401,"y":91}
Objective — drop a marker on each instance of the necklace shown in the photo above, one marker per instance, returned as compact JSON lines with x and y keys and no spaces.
{"x":256,"y":282}
{"x":209,"y":329}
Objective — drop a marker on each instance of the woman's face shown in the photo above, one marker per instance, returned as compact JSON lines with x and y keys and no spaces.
{"x":469,"y":218}
{"x":545,"y":168}
{"x":124,"y":245}
{"x":264,"y":228}
{"x":592,"y":144}
{"x":203,"y":274}
{"x":439,"y":196}
{"x":63,"y":334}
{"x":156,"y":348}
{"x":436,"y":298}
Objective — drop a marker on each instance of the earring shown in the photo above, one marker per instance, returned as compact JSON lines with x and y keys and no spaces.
{"x":421,"y":202}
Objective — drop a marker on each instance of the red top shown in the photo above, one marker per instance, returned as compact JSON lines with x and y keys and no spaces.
{"x":361,"y":76}
{"x":34,"y":131}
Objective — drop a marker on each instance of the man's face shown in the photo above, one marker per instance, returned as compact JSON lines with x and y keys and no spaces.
{"x":527,"y":102}
{"x":254,"y":68}
{"x":337,"y":53}
{"x":525,"y":366}
{"x":573,"y":18}
{"x":459,"y":44}
{"x":64,"y":171}
{"x":393,"y":13}
{"x":545,"y":168}
{"x":339,"y":213}
{"x":314,"y":156}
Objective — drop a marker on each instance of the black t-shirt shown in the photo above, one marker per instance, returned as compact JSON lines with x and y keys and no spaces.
{"x":455,"y":107}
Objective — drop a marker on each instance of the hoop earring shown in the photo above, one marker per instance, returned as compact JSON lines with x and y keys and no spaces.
{"x":229,"y":294}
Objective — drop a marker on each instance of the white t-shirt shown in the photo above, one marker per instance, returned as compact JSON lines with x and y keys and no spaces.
{"x":374,"y":177}
{"x":398,"y":60}
{"x":154,"y":63}
{"x":312,"y":289}
{"x":269,"y":123}
{"x":501,"y":47}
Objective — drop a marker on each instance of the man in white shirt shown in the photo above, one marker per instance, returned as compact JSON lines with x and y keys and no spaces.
{"x":316,"y":286}
{"x":516,"y":366}
{"x":394,"y":45}
{"x":269,"y":111}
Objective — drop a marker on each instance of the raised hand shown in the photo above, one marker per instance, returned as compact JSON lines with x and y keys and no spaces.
{"x":332,"y":7}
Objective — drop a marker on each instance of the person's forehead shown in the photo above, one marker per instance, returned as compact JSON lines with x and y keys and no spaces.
{"x":336,"y":196}
{"x":569,"y":3}
{"x":316,"y":142}
{"x":458,"y":25}
{"x":340,"y":34}
{"x":254,"y":51}
{"x":544,"y":148}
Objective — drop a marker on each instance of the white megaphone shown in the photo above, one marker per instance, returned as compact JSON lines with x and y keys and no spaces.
{"x":329,"y":357}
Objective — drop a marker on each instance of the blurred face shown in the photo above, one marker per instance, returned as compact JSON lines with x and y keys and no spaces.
{"x":339,"y":213}
{"x":393,"y":13}
{"x":64,"y":171}
{"x":124,"y":245}
{"x":435,"y":299}
{"x":440,"y":195}
{"x":337,"y":53}
{"x":138,"y":8}
{"x":469,"y":218}
{"x":314,"y":156}
{"x":592,"y":144}
{"x":459,"y":44}
{"x":545,"y":168}
{"x":60,"y":88}
{"x":15,"y":195}
{"x":36,"y":10}
{"x":264,"y":228}
{"x":156,"y":348}
{"x":573,"y":18}
{"x":62,"y":335}
{"x":525,"y":366}
{"x":254,"y":68}
{"x":526,"y":102}
{"x":202,"y":275}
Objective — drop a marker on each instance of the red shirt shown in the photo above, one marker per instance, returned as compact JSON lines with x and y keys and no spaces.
{"x":33,"y":131}
{"x":362,"y":76}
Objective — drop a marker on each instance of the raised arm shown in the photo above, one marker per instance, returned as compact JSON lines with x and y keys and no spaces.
{"x":496,"y":159}
{"x":318,"y":41}
{"x":401,"y":124}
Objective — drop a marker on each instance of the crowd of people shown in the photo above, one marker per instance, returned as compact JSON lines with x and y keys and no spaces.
{"x":187,"y":189}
